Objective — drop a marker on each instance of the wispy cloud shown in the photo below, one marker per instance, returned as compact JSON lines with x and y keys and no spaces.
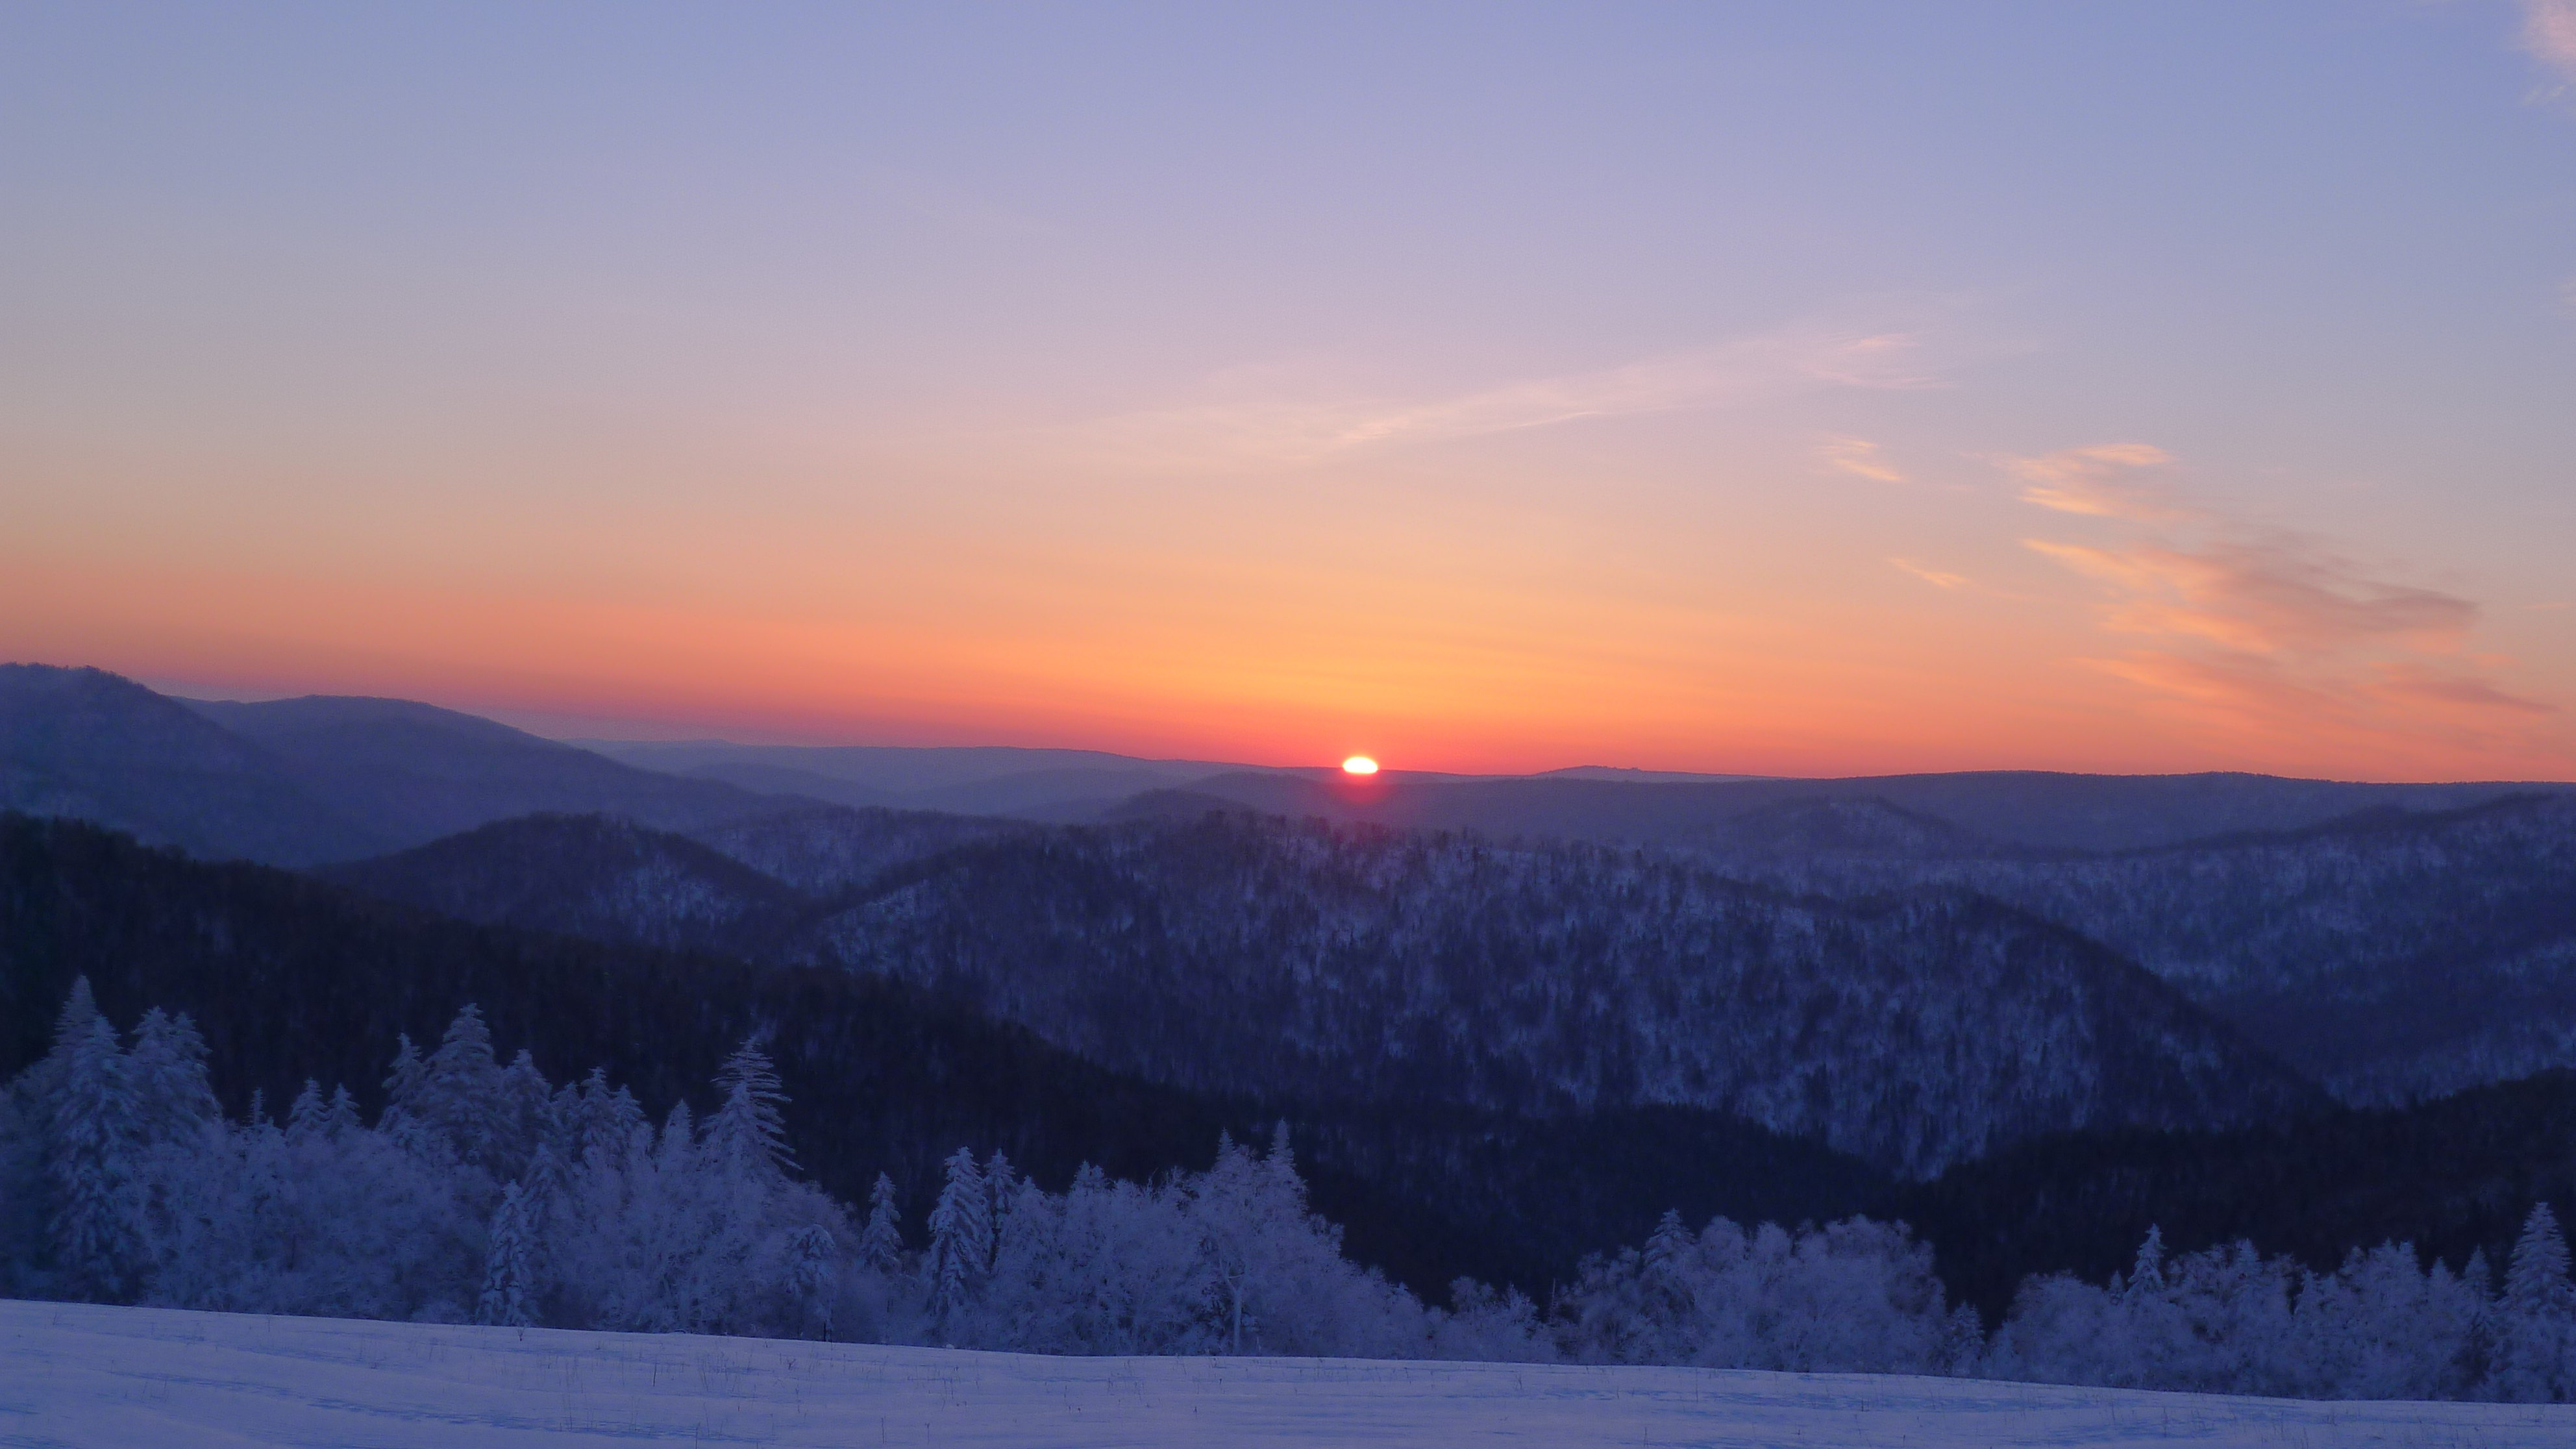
{"x":2401,"y":680}
{"x":2260,"y":624}
{"x":1934,"y":577}
{"x":2104,"y":481}
{"x":2262,"y":595}
{"x":1860,"y":458}
{"x":1258,"y":418}
{"x":2549,"y":32}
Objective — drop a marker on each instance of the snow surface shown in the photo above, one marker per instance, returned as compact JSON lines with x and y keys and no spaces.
{"x":140,"y":1378}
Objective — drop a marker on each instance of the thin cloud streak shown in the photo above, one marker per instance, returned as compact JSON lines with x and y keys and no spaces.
{"x":2099,"y":481}
{"x":2262,"y":629}
{"x":1272,"y":429}
{"x":2262,"y":596}
{"x":2407,"y":681}
{"x":1860,"y":458}
{"x":1934,"y":577}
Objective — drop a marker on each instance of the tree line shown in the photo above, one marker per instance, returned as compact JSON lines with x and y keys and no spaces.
{"x":484,"y":1192}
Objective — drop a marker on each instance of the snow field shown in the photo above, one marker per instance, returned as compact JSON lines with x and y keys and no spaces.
{"x":82,"y":1376}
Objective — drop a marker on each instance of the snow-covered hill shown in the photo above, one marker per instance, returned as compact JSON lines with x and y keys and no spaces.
{"x":74,"y":1376}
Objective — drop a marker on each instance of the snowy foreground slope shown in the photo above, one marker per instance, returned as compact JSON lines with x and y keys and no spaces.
{"x":139,"y":1378}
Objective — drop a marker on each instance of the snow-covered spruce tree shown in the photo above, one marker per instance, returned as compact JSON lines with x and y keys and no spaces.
{"x":2534,"y":1322}
{"x":94,"y":1143}
{"x":813,"y":1278}
{"x":698,"y":1229}
{"x":961,"y":1241}
{"x":172,"y":1097}
{"x":603,"y":1125}
{"x":459,"y":1099}
{"x":881,"y":1245}
{"x":747,"y":1136}
{"x":509,"y":1285}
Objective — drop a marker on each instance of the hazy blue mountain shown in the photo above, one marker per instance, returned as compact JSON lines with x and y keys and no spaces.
{"x":939,"y":777}
{"x":94,"y":746}
{"x":1986,"y":811}
{"x":770,"y":779}
{"x":414,"y":772}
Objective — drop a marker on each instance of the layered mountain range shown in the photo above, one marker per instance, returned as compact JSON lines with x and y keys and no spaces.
{"x":1914,"y":973}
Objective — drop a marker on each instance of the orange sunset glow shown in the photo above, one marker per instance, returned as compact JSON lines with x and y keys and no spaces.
{"x":920,"y":436}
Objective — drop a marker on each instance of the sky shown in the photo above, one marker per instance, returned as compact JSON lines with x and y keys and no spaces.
{"x":1795,"y":388}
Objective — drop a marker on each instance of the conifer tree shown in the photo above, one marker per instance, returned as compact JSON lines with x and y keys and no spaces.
{"x":881,"y":1245}
{"x":458,"y":1096}
{"x":2147,"y":1274}
{"x":93,"y":1143}
{"x":307,"y":1117}
{"x":509,"y":1287}
{"x":2535,"y":1336}
{"x":812,"y":1273}
{"x":961,"y":1239}
{"x":172,"y":1099}
{"x":747,"y":1137}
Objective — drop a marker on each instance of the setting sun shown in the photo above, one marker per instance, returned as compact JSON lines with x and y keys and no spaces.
{"x":1359,"y":765}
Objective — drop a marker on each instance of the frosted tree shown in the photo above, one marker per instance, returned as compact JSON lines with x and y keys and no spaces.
{"x":604,"y":1123}
{"x":2535,"y":1321}
{"x":1486,"y":1326}
{"x":172,"y":1100}
{"x":2147,"y":1273}
{"x":1002,"y":1190}
{"x":457,"y":1099}
{"x":94,"y":1140}
{"x":961,"y":1239}
{"x":746,"y":1139}
{"x":1273,"y":1274}
{"x":881,"y":1245}
{"x":2381,"y":1327}
{"x":307,"y":1117}
{"x":509,"y":1281}
{"x":1852,"y":1297}
{"x":813,"y":1272}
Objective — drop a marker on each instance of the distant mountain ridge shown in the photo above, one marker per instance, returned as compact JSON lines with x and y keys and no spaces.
{"x":330,"y":778}
{"x":305,"y":781}
{"x":1989,"y":811}
{"x":94,"y":746}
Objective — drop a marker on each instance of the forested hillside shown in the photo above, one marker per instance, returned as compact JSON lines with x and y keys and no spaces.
{"x":1374,"y":965}
{"x":2389,"y":956}
{"x":1356,"y":965}
{"x":2452,"y":1177}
